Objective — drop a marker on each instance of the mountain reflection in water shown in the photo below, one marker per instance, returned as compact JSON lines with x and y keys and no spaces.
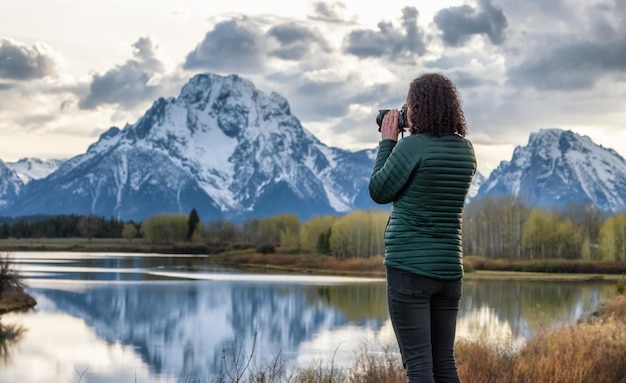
{"x":154,"y":318}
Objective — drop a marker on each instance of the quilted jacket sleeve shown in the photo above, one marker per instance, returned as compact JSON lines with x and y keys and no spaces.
{"x":394,"y":164}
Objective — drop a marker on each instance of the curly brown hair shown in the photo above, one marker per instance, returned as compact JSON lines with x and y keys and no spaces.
{"x":435,"y":106}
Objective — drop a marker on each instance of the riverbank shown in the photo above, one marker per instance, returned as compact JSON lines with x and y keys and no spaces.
{"x":98,"y":245}
{"x":294,"y":261}
{"x":12,"y":294}
{"x":16,"y":301}
{"x":374,"y":267}
{"x":474,"y":275}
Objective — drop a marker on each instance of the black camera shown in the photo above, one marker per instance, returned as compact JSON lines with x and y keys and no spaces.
{"x":401,"y":118}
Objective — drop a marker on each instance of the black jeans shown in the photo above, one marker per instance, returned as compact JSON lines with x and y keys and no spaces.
{"x":423,"y":313}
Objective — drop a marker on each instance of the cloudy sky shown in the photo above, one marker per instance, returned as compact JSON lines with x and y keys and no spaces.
{"x":70,"y":69}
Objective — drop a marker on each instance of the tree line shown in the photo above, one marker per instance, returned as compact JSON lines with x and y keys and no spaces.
{"x":494,"y":227}
{"x":60,"y":226}
{"x":505,"y":227}
{"x":356,"y":234}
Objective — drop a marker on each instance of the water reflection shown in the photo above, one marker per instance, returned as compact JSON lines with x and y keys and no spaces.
{"x":59,"y":347}
{"x":530,"y":306}
{"x":163,"y":319}
{"x":359,"y":305}
{"x":10,"y":334}
{"x":186,"y":326}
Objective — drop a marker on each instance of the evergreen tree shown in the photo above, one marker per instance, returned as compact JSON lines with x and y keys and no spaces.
{"x":192,"y":223}
{"x":323,"y":242}
{"x":89,"y":225}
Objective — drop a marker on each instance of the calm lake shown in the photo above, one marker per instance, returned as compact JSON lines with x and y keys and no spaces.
{"x":156,"y":318}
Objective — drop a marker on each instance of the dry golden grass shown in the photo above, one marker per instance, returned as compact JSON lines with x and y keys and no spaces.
{"x":376,"y":367}
{"x":616,"y":308}
{"x":478,"y":361}
{"x":586,"y":352}
{"x":579,"y":353}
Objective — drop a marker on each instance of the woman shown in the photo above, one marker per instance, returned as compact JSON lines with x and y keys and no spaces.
{"x":426,"y":177}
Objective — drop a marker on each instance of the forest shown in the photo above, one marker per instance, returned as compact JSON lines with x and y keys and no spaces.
{"x":493,"y":228}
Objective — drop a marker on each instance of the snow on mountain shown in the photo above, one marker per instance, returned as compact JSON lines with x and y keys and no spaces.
{"x":10,"y":185}
{"x":231,"y":151}
{"x":477,"y":182}
{"x":557,"y":167}
{"x":222,"y":147}
{"x":28,"y":169}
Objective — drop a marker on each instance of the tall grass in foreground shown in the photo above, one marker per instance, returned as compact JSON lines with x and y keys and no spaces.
{"x":381,"y":366}
{"x":593,"y":350}
{"x":589,"y":352}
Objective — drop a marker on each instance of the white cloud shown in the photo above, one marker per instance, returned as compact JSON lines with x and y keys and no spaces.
{"x":19,"y":61}
{"x":519,"y":66}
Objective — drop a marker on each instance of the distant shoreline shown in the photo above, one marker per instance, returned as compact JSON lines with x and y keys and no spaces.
{"x":471,"y":276}
{"x":99,"y":245}
{"x":281,"y":261}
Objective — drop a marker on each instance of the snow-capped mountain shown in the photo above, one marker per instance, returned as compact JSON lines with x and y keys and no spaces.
{"x":557,"y":167}
{"x":221,"y":147}
{"x":10,"y":185}
{"x":231,"y":151}
{"x":28,"y":169}
{"x":477,"y":182}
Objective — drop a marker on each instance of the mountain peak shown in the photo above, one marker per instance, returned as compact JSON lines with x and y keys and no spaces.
{"x":28,"y":169}
{"x":560,"y":166}
{"x":10,"y":185}
{"x":222,"y":147}
{"x":228,"y":150}
{"x":233,"y":101}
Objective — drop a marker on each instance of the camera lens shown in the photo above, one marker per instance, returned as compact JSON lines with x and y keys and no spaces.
{"x":379,"y":118}
{"x":401,"y":117}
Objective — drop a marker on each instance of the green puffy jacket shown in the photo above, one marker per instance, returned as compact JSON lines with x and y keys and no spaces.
{"x":427,"y":179}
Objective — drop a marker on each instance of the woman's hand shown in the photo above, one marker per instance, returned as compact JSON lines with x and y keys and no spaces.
{"x":389,"y":128}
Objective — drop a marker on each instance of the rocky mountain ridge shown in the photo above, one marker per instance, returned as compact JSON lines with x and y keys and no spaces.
{"x":231,"y":151}
{"x":221,"y":147}
{"x":558,"y":167}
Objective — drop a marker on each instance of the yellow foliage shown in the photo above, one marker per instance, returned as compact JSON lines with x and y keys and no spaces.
{"x":613,"y":238}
